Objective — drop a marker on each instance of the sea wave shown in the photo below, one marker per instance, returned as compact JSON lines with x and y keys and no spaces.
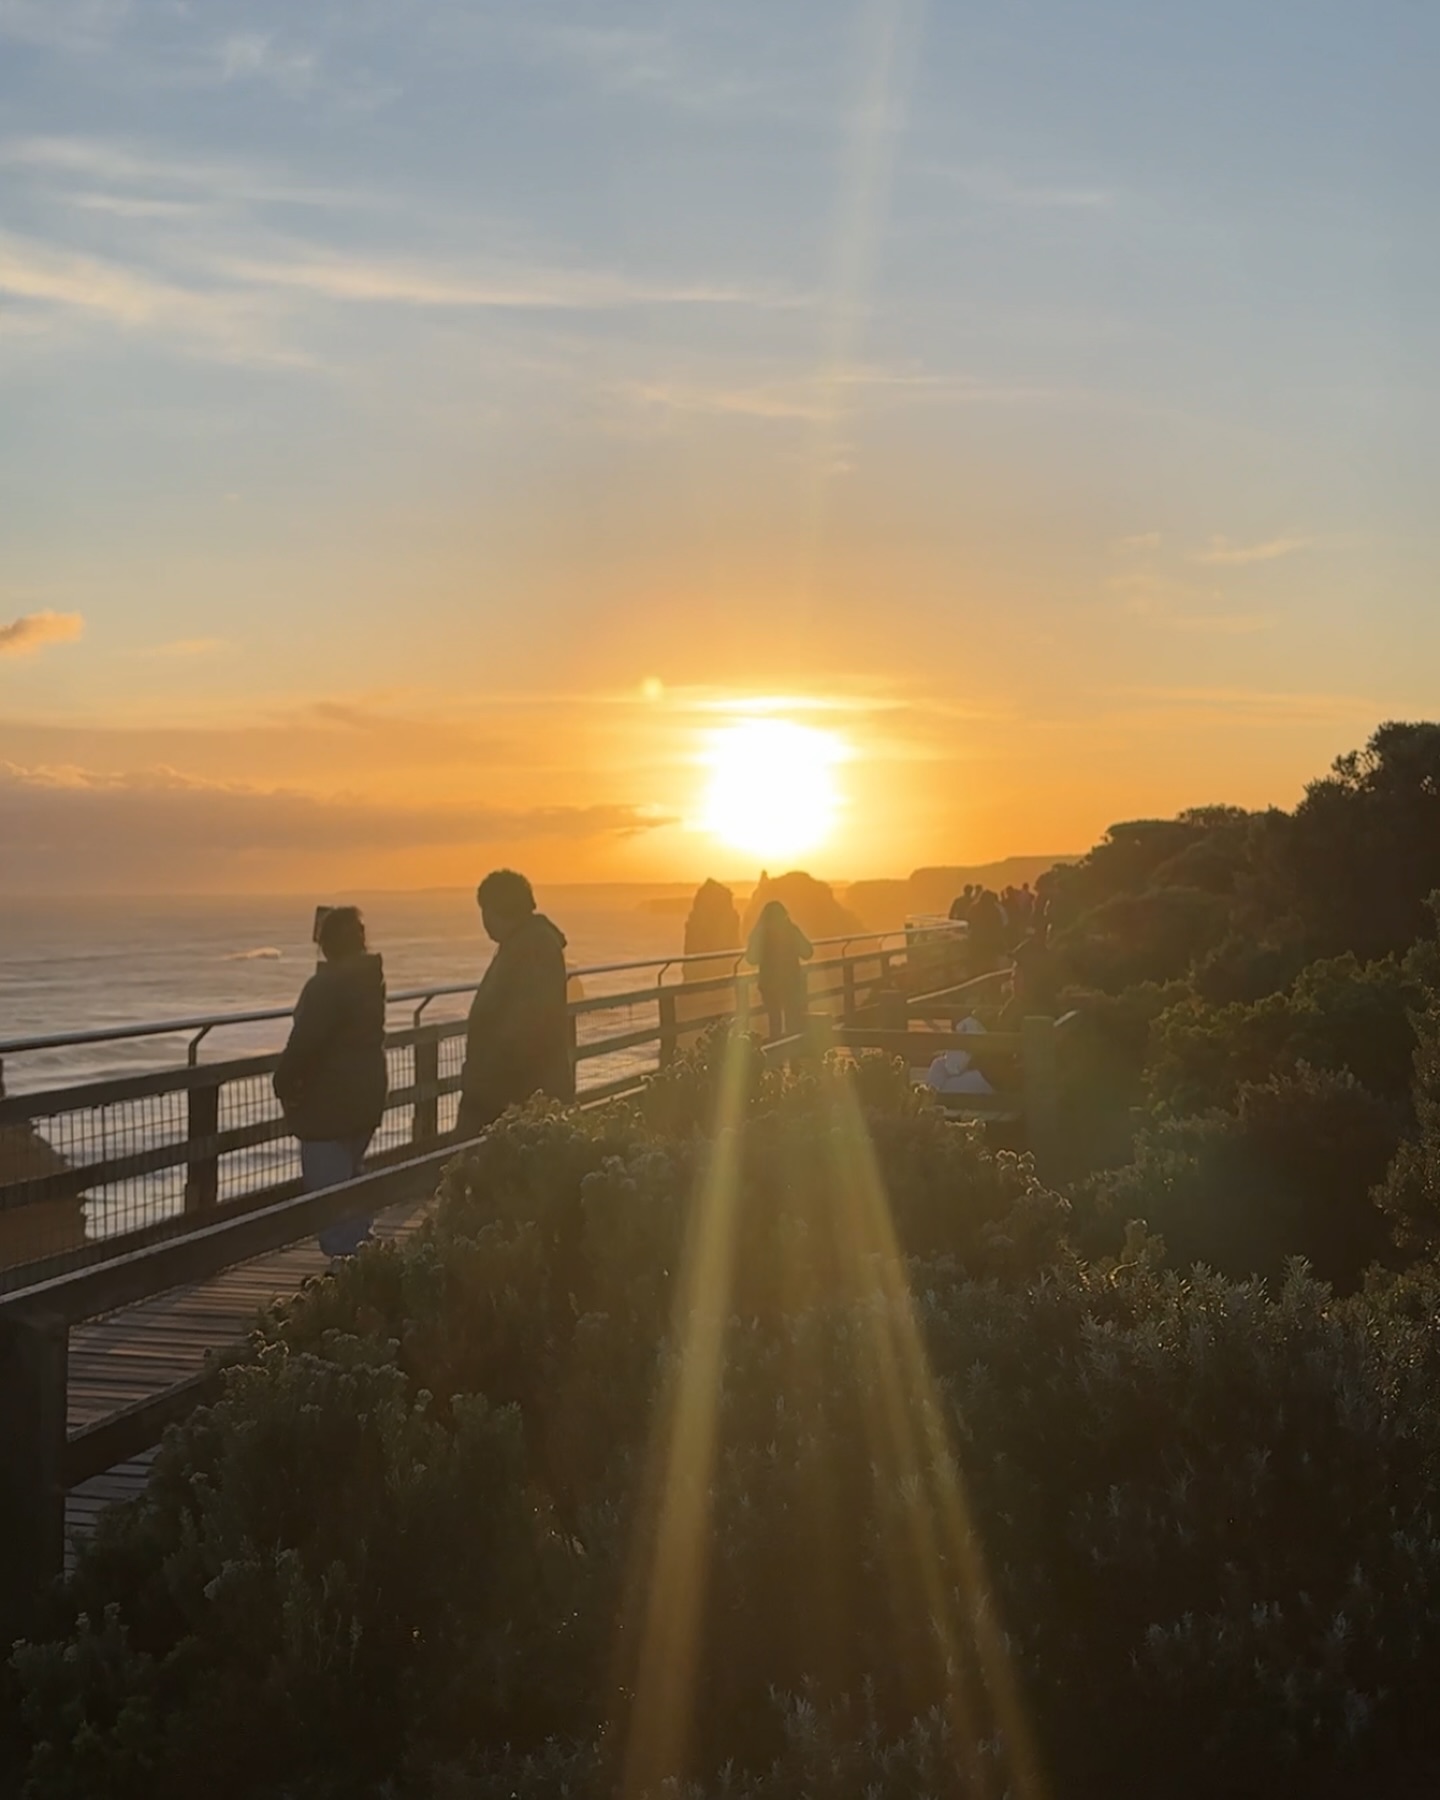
{"x":265,"y":953}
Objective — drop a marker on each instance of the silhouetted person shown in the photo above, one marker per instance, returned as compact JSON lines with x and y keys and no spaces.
{"x":518,"y":1040}
{"x":961,"y":904}
{"x":332,"y":1080}
{"x":987,"y":932}
{"x":778,"y":948}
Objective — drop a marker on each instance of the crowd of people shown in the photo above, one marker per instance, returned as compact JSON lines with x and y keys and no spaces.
{"x":996,"y":923}
{"x":1010,"y":928}
{"x":332,"y":1080}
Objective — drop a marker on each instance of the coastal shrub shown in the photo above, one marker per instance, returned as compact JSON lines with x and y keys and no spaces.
{"x":1133,"y":938}
{"x":1102,"y":1070}
{"x":1340,"y":1014}
{"x":1289,"y":1173}
{"x":1410,"y":1195}
{"x":1243,"y":969}
{"x":1360,"y":855}
{"x":790,"y":1450}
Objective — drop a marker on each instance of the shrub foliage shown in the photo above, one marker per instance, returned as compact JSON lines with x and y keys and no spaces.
{"x":768,"y":1437}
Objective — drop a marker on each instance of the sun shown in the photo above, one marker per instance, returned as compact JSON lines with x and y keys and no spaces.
{"x":772,"y":789}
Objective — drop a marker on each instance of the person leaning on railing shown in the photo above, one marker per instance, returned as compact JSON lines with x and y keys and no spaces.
{"x":517,"y":1042}
{"x":331,"y":1081}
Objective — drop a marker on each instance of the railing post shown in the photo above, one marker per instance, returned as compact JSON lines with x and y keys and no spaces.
{"x":1042,"y":1093}
{"x":573,"y":1032}
{"x":893,"y":1010}
{"x":425,"y":1122}
{"x":34,"y":1368}
{"x":669,"y":1026}
{"x":202,"y":1180}
{"x":742,"y":1003}
{"x":847,"y":984}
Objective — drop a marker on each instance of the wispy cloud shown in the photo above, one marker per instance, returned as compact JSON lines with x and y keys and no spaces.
{"x":701,"y":75}
{"x":35,"y":271}
{"x":183,"y":648}
{"x":233,"y":325}
{"x":160,"y":178}
{"x":1220,"y":624}
{"x":1224,"y":553}
{"x":800,"y":401}
{"x":823,"y":397}
{"x":33,"y":631}
{"x":353,"y":279}
{"x":83,"y":26}
{"x":1141,"y":541}
{"x":1189,"y":705}
{"x":260,"y":56}
{"x":1166,"y":604}
{"x":160,"y":823}
{"x":134,"y":206}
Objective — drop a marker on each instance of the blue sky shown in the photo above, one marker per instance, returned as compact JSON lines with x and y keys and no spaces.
{"x":1054,"y":376}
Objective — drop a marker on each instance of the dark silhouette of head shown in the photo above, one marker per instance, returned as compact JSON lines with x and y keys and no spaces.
{"x":506,"y":901}
{"x":341,"y":933}
{"x":774,"y":913}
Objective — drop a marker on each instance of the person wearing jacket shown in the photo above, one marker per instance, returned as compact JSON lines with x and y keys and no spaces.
{"x":778,"y":948}
{"x":518,"y":1040}
{"x":332,"y":1081}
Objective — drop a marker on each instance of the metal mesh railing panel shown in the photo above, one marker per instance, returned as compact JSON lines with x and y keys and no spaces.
{"x":57,"y":1229}
{"x":397,"y":1127}
{"x":248,"y":1101}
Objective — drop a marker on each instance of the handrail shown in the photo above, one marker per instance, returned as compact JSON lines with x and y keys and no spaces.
{"x":205,"y":1023}
{"x":219,"y":1243}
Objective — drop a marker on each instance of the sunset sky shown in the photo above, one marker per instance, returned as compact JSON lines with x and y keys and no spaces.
{"x":437,"y":433}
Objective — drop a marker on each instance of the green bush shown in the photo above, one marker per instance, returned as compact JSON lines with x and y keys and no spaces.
{"x":1133,"y":938}
{"x":1339,"y":1015}
{"x":1289,"y":1173}
{"x":958,"y":1513}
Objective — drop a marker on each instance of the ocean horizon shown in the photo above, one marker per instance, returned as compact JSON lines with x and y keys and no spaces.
{"x":74,"y":963}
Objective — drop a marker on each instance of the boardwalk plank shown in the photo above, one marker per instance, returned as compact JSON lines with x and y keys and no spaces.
{"x":135,"y":1354}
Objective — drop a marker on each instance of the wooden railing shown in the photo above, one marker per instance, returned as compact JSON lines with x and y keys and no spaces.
{"x":126,"y":1160}
{"x":43,"y":1460}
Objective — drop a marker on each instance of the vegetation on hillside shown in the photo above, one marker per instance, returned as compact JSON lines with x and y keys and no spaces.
{"x":772,"y":1436}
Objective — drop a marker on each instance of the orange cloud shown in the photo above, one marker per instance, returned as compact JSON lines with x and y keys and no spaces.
{"x":86,"y":828}
{"x":33,"y":631}
{"x":1229,"y":555}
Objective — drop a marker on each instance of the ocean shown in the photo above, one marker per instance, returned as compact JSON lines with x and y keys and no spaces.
{"x":83,"y":964}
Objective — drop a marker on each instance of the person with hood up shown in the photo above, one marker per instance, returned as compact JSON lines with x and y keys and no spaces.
{"x":518,"y":1040}
{"x":332,"y":1081}
{"x":778,"y":948}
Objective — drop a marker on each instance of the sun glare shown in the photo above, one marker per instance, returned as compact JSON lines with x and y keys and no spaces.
{"x":772,"y":790}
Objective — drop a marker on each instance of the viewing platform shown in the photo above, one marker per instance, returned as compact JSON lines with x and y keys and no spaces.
{"x":146,"y":1219}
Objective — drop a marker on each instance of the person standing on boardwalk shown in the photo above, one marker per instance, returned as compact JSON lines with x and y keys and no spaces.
{"x":332,"y":1081}
{"x":518,"y":1040}
{"x":778,"y":948}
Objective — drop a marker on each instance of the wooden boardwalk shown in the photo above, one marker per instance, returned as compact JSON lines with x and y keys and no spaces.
{"x":137,"y":1353}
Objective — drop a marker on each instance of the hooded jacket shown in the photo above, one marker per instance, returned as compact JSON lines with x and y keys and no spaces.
{"x":518,"y":1040}
{"x":332,"y":1079}
{"x":777,"y":948}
